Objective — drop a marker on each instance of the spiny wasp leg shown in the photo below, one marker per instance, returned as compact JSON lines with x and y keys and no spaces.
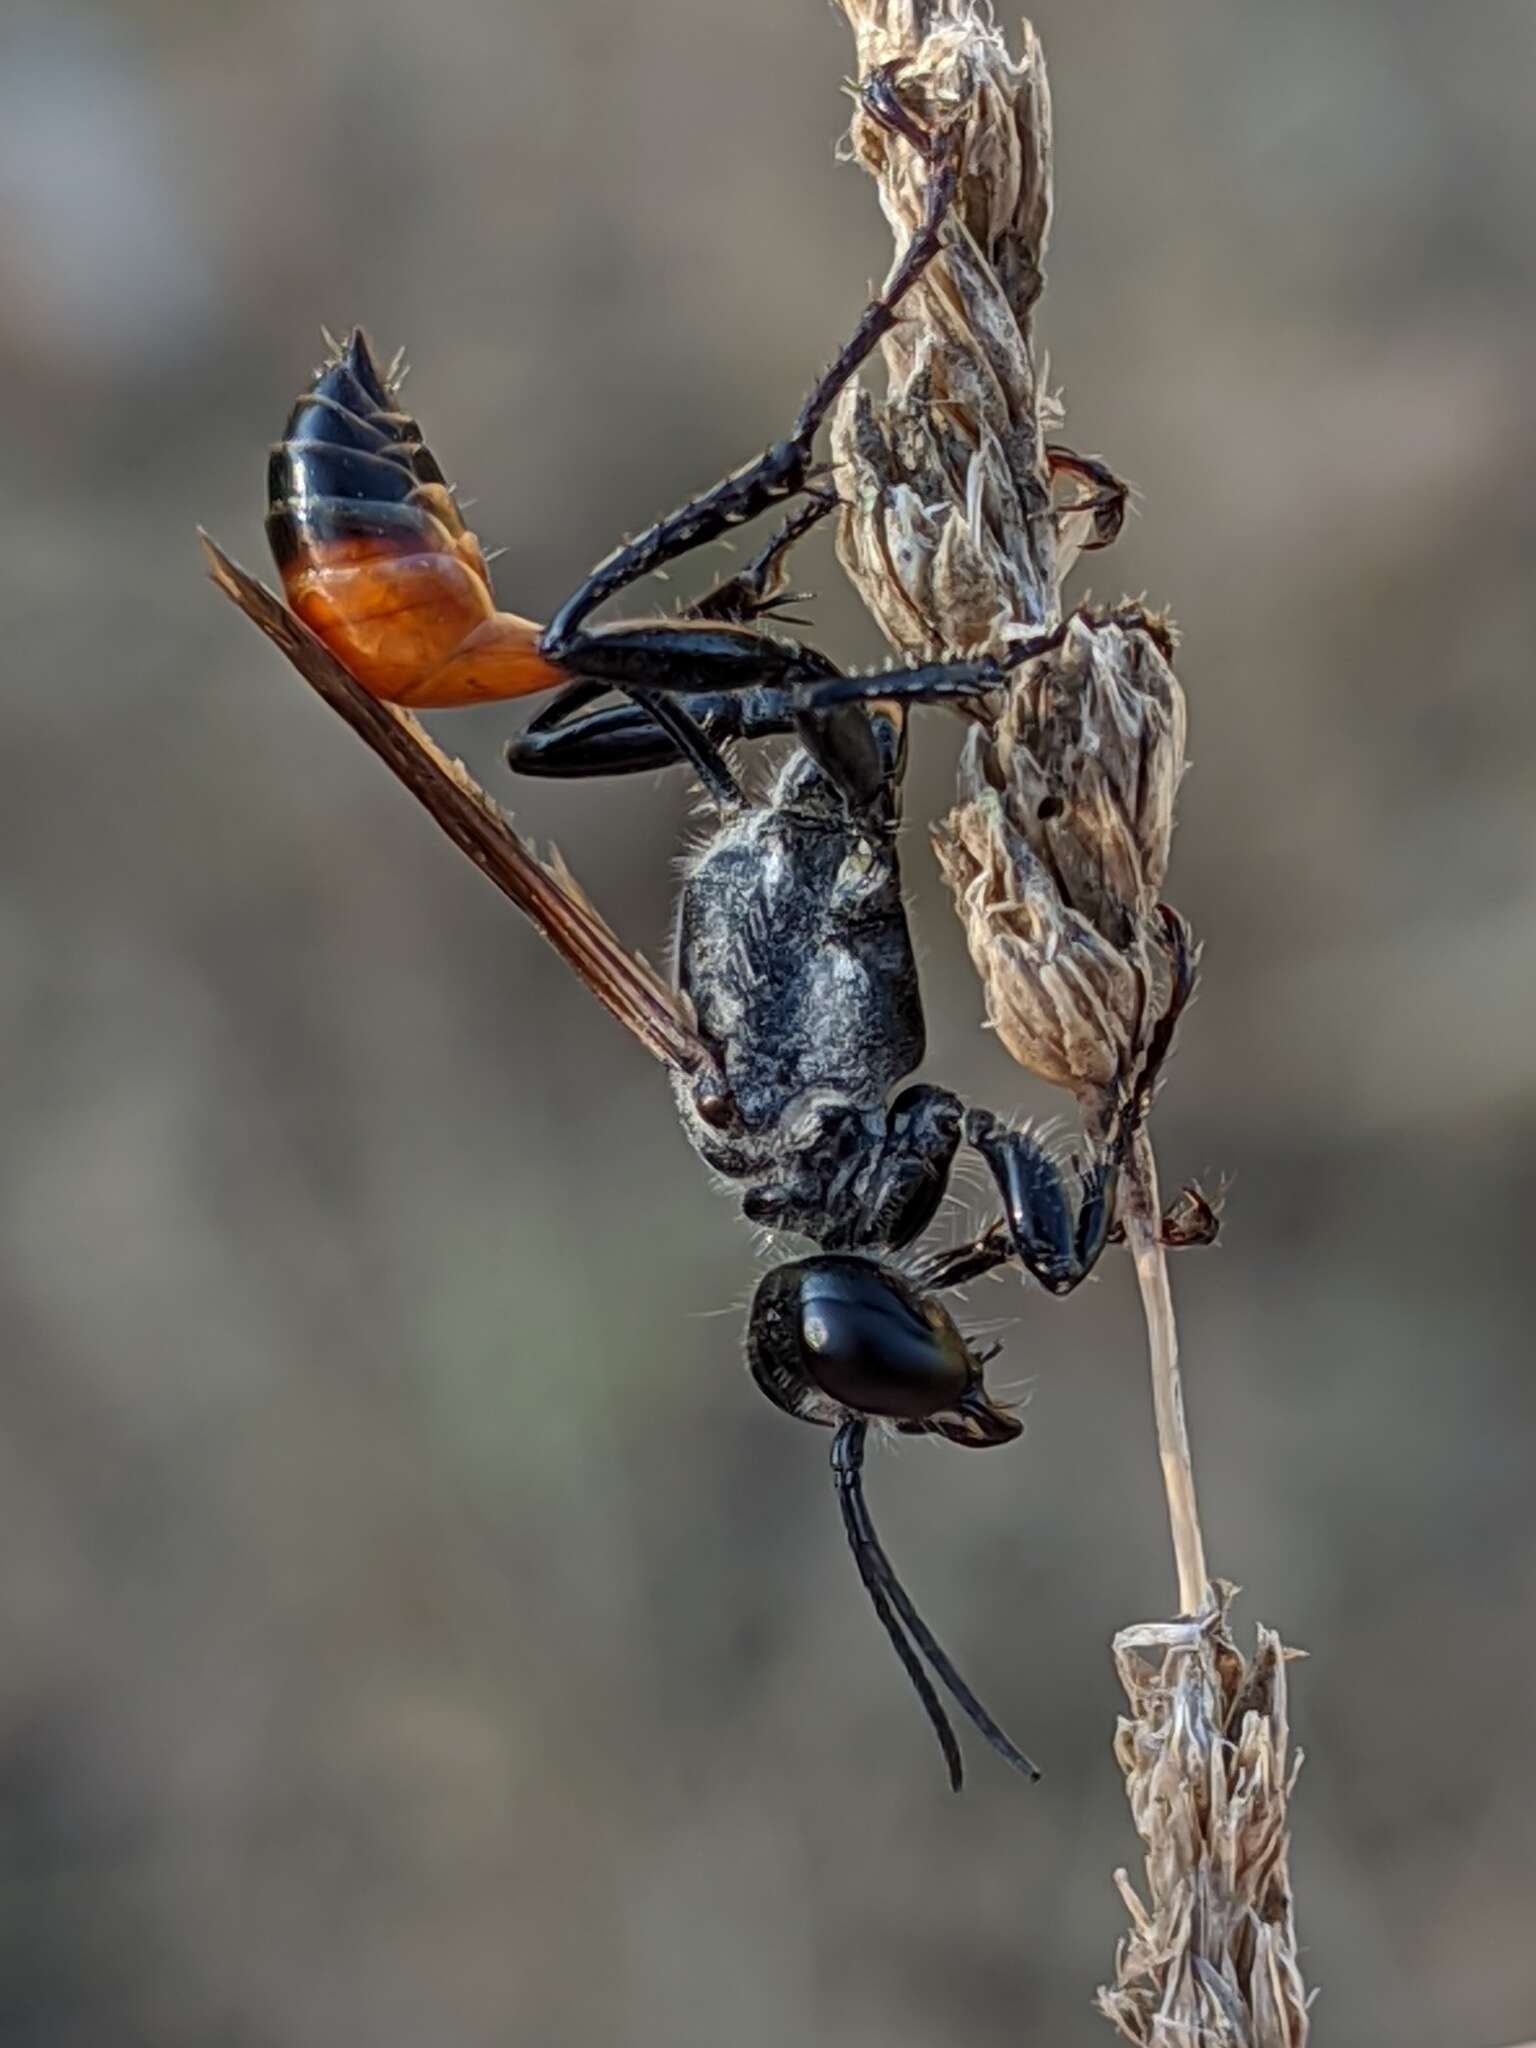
{"x":760,"y":588}
{"x":1107,"y":497}
{"x":631,"y":739}
{"x":1058,"y":1236}
{"x":694,"y":745}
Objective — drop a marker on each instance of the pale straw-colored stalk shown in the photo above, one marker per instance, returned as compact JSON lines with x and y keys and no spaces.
{"x":960,"y":527}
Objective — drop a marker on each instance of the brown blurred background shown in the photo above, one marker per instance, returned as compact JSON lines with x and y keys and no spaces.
{"x":415,"y":1627}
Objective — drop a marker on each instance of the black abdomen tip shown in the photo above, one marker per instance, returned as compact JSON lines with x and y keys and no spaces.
{"x":360,"y":360}
{"x":344,"y":440}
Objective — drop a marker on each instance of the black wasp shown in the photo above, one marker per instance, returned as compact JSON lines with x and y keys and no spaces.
{"x":796,"y":1015}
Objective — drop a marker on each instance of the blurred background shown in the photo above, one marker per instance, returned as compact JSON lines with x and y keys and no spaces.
{"x":415,"y":1626}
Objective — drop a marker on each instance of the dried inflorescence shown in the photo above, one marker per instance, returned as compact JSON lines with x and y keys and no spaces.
{"x":1211,"y":1956}
{"x":955,"y":539}
{"x":951,"y":533}
{"x":1058,"y":846}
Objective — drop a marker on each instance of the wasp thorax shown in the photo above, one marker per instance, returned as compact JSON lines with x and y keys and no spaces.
{"x":1058,"y":849}
{"x":837,"y":1332}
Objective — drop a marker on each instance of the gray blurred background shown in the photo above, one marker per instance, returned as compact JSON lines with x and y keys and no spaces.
{"x":415,"y":1627}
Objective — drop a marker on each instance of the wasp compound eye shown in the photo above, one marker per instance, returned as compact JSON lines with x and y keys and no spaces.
{"x":844,"y":1332}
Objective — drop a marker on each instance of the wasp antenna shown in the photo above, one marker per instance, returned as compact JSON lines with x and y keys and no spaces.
{"x":949,"y":1677}
{"x":876,"y":1570}
{"x":847,"y":1458}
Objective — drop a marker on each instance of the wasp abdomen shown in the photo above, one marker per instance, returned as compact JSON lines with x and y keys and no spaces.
{"x":375,"y":557}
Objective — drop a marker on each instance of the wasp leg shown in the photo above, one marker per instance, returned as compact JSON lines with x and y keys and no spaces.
{"x":646,"y":734}
{"x":961,"y":683}
{"x":954,"y":1265}
{"x":1107,"y":497}
{"x":625,"y":739}
{"x":1191,"y":1220}
{"x":760,"y":590}
{"x":695,"y":746}
{"x":922,"y":1138}
{"x":783,"y":469}
{"x":620,"y":739}
{"x":863,"y":757}
{"x":1057,"y":1237}
{"x":563,"y":706}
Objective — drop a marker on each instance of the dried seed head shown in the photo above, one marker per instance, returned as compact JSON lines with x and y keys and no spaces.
{"x":1089,"y":753}
{"x":1065,"y":1001}
{"x":1209,"y":1769}
{"x":950,"y":532}
{"x":1058,"y":847}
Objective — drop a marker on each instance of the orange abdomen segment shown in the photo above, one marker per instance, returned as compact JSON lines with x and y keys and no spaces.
{"x":375,"y":558}
{"x":415,"y":629}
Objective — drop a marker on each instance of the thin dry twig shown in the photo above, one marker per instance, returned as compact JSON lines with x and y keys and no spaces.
{"x":957,"y":537}
{"x":546,"y":892}
{"x":1143,"y":1213}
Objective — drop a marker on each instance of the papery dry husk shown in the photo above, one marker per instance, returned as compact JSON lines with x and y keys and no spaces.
{"x":1064,"y":1001}
{"x":950,"y":534}
{"x":1089,"y":751}
{"x":1211,"y":1956}
{"x":1058,"y":847}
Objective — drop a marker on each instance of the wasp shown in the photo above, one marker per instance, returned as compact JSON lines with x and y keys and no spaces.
{"x":794,"y":1016}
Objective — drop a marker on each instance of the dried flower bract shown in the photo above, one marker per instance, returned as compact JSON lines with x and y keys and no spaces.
{"x":1058,"y":848}
{"x":1211,"y":1956}
{"x":950,"y":532}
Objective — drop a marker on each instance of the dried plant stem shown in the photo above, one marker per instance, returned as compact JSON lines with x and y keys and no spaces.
{"x":545,"y":890}
{"x":956,"y":536}
{"x":1142,"y":1208}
